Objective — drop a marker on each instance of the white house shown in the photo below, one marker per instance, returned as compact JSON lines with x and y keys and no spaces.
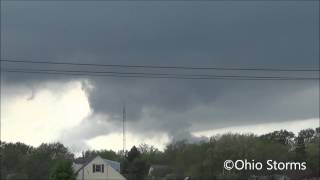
{"x":97,"y":168}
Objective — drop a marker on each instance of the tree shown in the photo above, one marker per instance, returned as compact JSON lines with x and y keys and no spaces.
{"x":43,"y":158}
{"x":16,"y":176}
{"x":55,"y":151}
{"x":14,"y":157}
{"x":306,"y":134}
{"x":62,"y":171}
{"x":135,"y":164}
{"x":124,"y":166}
{"x":106,"y":154}
{"x":300,"y":149}
{"x":151,"y":154}
{"x":133,"y":154}
{"x":138,"y":168}
{"x":313,"y":157}
{"x":281,"y":136}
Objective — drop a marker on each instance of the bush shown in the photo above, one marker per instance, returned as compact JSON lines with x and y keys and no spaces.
{"x":62,"y":171}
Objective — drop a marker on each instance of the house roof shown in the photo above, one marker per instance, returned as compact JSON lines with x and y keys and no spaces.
{"x":114,"y":164}
{"x":84,"y":162}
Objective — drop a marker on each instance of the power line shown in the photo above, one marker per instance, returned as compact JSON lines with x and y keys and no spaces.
{"x":159,"y":77}
{"x":151,"y":74}
{"x":157,"y":67}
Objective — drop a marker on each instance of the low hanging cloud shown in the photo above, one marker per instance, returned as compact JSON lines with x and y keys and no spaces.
{"x":233,"y":34}
{"x":43,"y":117}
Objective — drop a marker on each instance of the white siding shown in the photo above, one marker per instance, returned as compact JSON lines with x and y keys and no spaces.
{"x":108,"y":174}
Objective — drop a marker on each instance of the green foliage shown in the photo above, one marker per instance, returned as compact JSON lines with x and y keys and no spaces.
{"x":14,"y":157}
{"x":135,"y":165}
{"x":306,"y":134}
{"x":151,"y":154}
{"x":16,"y":176}
{"x":133,"y":154}
{"x":138,"y":168}
{"x":313,"y":156}
{"x":106,"y":154}
{"x":33,"y":163}
{"x":62,"y":170}
{"x":204,"y":160}
{"x":160,"y":171}
{"x":281,"y":136}
{"x":200,"y":160}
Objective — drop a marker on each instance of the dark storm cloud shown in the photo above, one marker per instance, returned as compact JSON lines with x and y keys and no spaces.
{"x":232,"y":34}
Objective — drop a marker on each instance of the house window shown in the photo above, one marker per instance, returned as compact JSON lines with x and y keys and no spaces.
{"x":98,"y":168}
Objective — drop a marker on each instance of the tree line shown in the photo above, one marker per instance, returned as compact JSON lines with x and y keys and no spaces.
{"x":199,"y":160}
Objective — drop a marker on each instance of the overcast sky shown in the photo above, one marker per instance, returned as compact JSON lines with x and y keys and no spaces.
{"x":86,"y":112}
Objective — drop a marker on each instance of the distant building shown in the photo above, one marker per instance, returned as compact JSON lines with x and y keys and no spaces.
{"x":97,"y":168}
{"x":158,"y":171}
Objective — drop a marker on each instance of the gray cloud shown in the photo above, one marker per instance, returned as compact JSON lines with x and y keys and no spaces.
{"x":233,"y":34}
